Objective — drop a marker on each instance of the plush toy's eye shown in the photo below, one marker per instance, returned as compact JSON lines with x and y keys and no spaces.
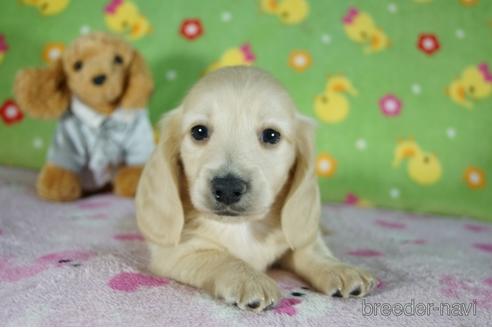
{"x":270,"y":136}
{"x":199,"y":132}
{"x":118,"y":59}
{"x":77,"y":66}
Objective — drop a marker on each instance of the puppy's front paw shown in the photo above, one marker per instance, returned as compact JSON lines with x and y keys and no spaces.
{"x":248,"y":290}
{"x":341,"y":280}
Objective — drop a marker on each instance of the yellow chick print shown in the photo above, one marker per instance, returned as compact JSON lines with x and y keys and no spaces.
{"x":359,"y":27}
{"x":288,"y":11}
{"x":123,"y":16}
{"x":468,"y":3}
{"x":423,"y":168}
{"x":48,"y":7}
{"x":242,"y":55}
{"x":332,"y":105}
{"x":475,"y":83}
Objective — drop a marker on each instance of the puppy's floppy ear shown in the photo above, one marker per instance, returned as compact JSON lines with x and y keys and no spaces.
{"x":301,"y":210}
{"x":160,"y":214}
{"x":139,"y":84}
{"x":42,"y":92}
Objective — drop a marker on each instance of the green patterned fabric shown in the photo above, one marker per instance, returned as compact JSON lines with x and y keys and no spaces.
{"x":401,"y":89}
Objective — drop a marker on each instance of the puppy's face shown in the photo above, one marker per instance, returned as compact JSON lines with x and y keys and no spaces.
{"x":238,"y":143}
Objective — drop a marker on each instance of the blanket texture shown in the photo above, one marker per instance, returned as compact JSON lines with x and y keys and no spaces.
{"x":84,"y":263}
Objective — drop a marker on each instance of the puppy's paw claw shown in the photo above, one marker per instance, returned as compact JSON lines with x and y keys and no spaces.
{"x":337,"y":294}
{"x":254,"y":305}
{"x":355,"y":292}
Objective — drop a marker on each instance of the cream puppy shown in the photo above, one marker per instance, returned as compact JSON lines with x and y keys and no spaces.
{"x":230,"y":190}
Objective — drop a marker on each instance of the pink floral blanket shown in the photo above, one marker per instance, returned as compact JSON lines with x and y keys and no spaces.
{"x":84,"y":263}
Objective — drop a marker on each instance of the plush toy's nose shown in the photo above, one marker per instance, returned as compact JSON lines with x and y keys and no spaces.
{"x":99,"y":79}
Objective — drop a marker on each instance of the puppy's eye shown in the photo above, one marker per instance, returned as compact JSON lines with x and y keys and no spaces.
{"x":77,"y":66}
{"x":199,"y":132}
{"x":118,"y":59}
{"x":270,"y":136}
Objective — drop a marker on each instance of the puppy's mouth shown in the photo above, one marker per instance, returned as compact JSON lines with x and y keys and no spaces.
{"x":226,"y":213}
{"x":228,"y":210}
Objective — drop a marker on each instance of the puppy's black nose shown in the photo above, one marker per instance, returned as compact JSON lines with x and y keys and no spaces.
{"x":99,"y":79}
{"x":229,"y":189}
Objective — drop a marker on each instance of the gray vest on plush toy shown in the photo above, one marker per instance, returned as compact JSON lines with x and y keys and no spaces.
{"x":94,"y":145}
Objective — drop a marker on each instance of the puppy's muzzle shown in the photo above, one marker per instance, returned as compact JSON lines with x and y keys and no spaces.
{"x":229,"y":189}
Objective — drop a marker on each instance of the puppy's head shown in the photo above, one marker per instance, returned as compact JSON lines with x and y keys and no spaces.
{"x":238,"y":145}
{"x":238,"y":150}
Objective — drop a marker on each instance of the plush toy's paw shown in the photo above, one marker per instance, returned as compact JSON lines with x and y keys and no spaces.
{"x":58,"y":184}
{"x":126,"y":180}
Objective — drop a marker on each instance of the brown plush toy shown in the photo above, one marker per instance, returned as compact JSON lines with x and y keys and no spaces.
{"x":99,"y":89}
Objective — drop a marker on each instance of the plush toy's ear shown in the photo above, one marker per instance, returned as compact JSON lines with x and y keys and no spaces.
{"x":42,"y":92}
{"x":139,"y":84}
{"x":302,"y":209}
{"x":160,"y":213}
